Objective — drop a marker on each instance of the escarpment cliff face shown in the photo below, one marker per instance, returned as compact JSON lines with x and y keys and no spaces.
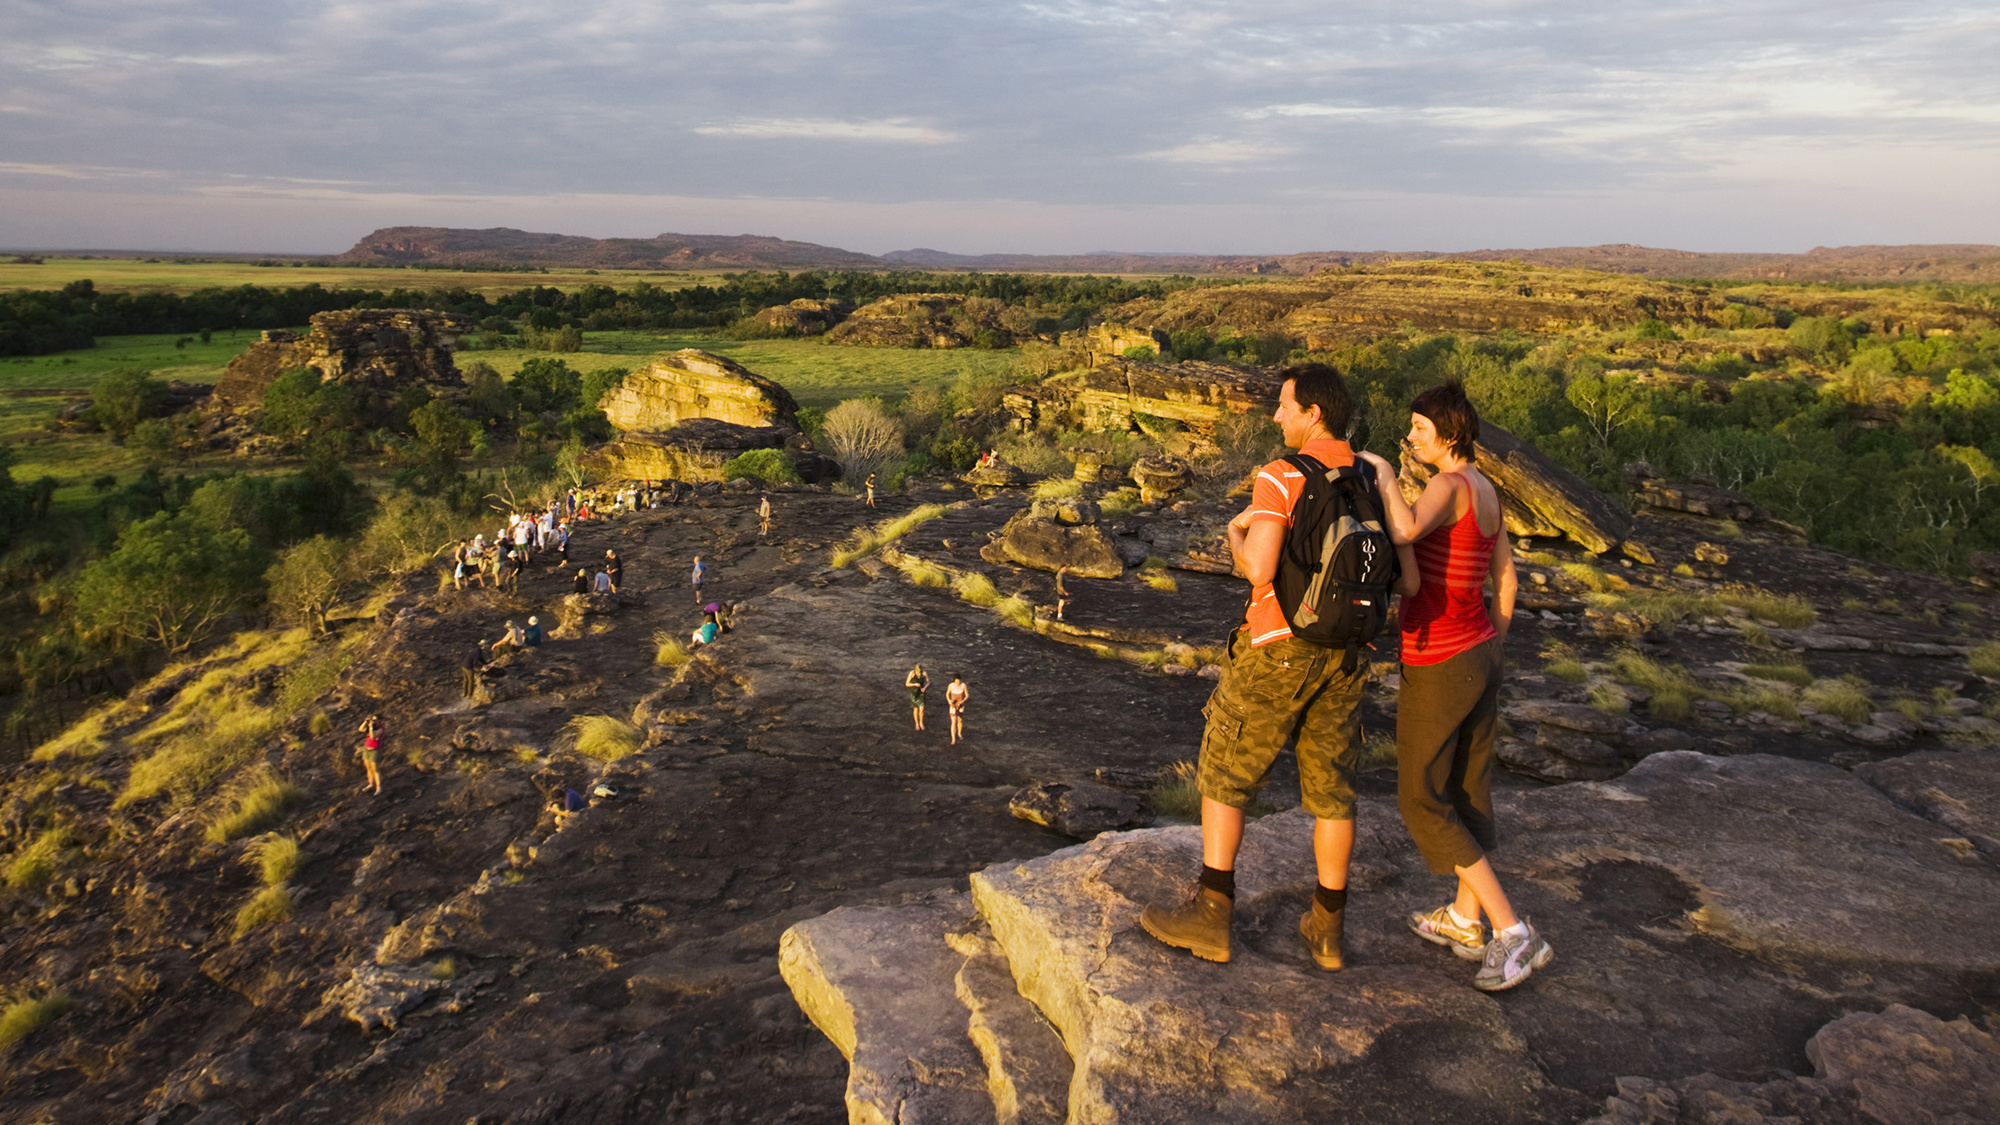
{"x":377,"y":353}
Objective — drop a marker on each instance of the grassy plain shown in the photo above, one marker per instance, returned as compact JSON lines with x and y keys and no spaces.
{"x":111,"y":275}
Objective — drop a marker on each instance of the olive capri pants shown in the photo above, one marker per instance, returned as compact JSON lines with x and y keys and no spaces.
{"x":1445,"y":717}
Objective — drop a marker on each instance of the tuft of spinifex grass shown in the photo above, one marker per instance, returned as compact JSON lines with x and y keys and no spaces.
{"x":1846,"y":698}
{"x":1175,"y":793}
{"x":30,"y":1014}
{"x":866,"y":541}
{"x":977,"y":589}
{"x":606,"y":738}
{"x":272,"y":904}
{"x":260,"y":806}
{"x":276,"y":858}
{"x":668,"y":649}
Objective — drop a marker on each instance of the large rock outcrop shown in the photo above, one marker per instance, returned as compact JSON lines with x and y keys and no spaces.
{"x":1540,"y":498}
{"x":377,"y":353}
{"x":1118,"y":394}
{"x":924,"y":320}
{"x":1743,"y":902}
{"x":699,"y":448}
{"x":1049,"y":535}
{"x":690,"y":383}
{"x":806,"y":316}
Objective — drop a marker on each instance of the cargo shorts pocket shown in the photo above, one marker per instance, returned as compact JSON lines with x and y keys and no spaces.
{"x":1230,"y":771}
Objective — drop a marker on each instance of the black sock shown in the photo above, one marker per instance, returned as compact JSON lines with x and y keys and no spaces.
{"x":1221,"y":882}
{"x":1333,"y":901}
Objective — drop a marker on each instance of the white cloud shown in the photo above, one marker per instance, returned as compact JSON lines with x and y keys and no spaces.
{"x":896,"y":129}
{"x":1218,"y":150}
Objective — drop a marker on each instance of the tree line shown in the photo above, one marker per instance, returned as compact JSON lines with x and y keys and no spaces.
{"x":41,"y":321}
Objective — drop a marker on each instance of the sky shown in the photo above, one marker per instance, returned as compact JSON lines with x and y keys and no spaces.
{"x":1063,"y":126}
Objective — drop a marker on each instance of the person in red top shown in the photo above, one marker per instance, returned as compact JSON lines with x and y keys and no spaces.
{"x":1449,"y":701}
{"x":1276,"y":687}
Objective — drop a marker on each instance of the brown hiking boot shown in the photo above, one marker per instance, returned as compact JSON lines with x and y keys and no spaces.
{"x":1200,"y":925}
{"x":1321,"y":929}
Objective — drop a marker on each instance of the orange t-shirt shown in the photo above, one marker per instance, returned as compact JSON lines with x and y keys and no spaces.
{"x":1278,"y":488}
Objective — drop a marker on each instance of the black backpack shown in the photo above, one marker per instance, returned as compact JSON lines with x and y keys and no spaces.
{"x":1338,"y":563}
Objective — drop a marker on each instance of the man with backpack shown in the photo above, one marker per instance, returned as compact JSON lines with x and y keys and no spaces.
{"x":1321,"y":568}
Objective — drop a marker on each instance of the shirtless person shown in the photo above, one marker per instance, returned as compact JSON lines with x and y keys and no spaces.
{"x":764,"y":516}
{"x":1062,"y":593}
{"x":954,"y":698}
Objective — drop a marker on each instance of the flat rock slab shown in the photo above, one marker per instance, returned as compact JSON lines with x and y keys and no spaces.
{"x":881,"y":983}
{"x":1158,"y":1037}
{"x":1027,"y":1068}
{"x":1787,"y":858}
{"x":1959,"y":790}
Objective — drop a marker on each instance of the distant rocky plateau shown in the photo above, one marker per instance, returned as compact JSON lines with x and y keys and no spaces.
{"x":502,"y":246}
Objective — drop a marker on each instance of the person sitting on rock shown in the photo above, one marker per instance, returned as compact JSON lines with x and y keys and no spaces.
{"x":565,"y":803}
{"x":582,"y":583}
{"x":532,"y":635}
{"x":706,"y":634}
{"x":1275,"y":687}
{"x":602,"y":583}
{"x":1448,"y":704}
{"x":513,"y":640}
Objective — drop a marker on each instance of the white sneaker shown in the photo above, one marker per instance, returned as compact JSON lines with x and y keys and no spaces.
{"x":1511,"y":960}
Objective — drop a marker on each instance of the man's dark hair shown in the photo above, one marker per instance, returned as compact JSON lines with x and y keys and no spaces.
{"x":1320,"y":384}
{"x":1451,"y":412}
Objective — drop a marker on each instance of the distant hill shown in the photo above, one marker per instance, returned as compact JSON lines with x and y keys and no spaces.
{"x":504,"y":246}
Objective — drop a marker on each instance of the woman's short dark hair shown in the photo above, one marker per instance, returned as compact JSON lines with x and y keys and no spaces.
{"x":1451,"y":412}
{"x":1320,"y":384}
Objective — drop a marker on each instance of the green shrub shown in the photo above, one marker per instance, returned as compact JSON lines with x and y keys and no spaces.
{"x":272,"y":904}
{"x":770,"y":466}
{"x":30,"y":1014}
{"x":606,"y":738}
{"x":259,"y":808}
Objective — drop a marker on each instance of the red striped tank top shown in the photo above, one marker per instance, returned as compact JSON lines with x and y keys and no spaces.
{"x":1448,"y":613}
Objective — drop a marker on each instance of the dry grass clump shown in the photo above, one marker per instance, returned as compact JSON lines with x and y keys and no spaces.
{"x":1541,"y":558}
{"x":1562,"y":663}
{"x":606,"y":738}
{"x":1058,"y":488}
{"x":669,"y":651}
{"x":444,"y":968}
{"x":261,"y":803}
{"x":319,"y":725}
{"x":1845,"y":698}
{"x":1794,"y":673}
{"x":1016,"y":610}
{"x":1174,"y":793}
{"x":868,"y":540}
{"x":1911,"y":709}
{"x":1788,"y":610}
{"x":1119,"y":504}
{"x":37,"y":865}
{"x":1608,"y":699}
{"x":1728,"y":530}
{"x":927,"y":574}
{"x":1378,"y":751}
{"x":1672,"y":690}
{"x":276,"y":858}
{"x":977,"y":589}
{"x":1590,"y":576}
{"x":1771,"y":700}
{"x":1985,"y":660}
{"x":1683,"y":570}
{"x":272,"y":904}
{"x":1159,"y":579}
{"x":30,"y":1014}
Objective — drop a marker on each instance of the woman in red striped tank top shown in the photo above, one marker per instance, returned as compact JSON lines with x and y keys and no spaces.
{"x":1449,"y":700}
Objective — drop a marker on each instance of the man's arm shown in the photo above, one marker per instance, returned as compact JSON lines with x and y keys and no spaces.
{"x":1254,"y":545}
{"x":1504,"y":584}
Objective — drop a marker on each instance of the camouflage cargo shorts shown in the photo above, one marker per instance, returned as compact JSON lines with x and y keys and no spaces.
{"x":1268,"y":694}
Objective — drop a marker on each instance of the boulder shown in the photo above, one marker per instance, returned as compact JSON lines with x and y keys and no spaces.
{"x":376,"y":353}
{"x":806,"y":316}
{"x":375,"y":996}
{"x":1159,"y":478}
{"x":1160,"y":1038}
{"x":1985,"y":566}
{"x":1576,"y":747}
{"x":1044,"y":544}
{"x":690,"y":383}
{"x":880,"y":983}
{"x":922,"y":320}
{"x":1540,"y":498}
{"x":1544,"y":764}
{"x":995,"y":474}
{"x":1079,"y":809}
{"x":1065,"y":511}
{"x":1697,"y":499}
{"x":699,"y":448}
{"x":1115,"y":393}
{"x":1111,"y":340}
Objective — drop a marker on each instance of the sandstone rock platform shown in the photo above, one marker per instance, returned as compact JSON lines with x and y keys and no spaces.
{"x":1715,"y":920}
